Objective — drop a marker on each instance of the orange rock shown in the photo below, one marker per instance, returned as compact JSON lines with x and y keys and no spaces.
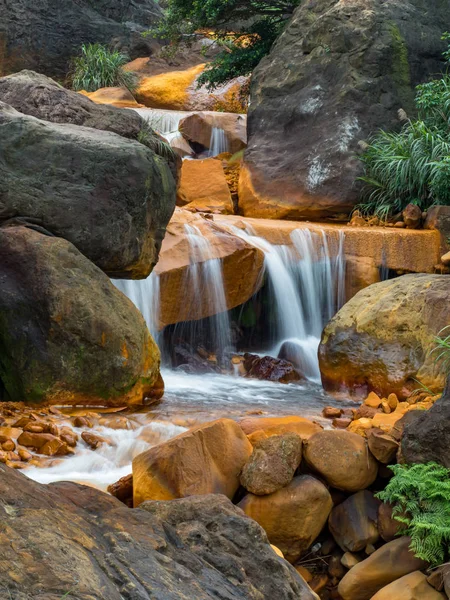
{"x":116,"y":96}
{"x":54,"y":447}
{"x":206,"y":459}
{"x":277,"y":425}
{"x":203,"y":186}
{"x":410,"y":587}
{"x":69,"y":436}
{"x":198,"y":127}
{"x":168,"y":90}
{"x":93,"y":440}
{"x":373,"y":400}
{"x":242,"y":266}
{"x":342,"y":458}
{"x":387,"y":422}
{"x":35,"y":440}
{"x":292,"y":517}
{"x":257,"y":436}
{"x":303,"y":572}
{"x":383,"y":446}
{"x":331,"y":412}
{"x":8,"y":445}
{"x":360,"y":426}
{"x":388,"y":563}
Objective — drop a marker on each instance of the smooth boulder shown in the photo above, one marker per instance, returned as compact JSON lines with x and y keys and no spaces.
{"x":339,"y":72}
{"x":207,"y":459}
{"x":111,"y":197}
{"x":272,"y":464}
{"x":385,"y":565}
{"x":203,"y":187}
{"x":278,"y":425}
{"x":67,"y":335}
{"x":293,"y":516}
{"x":354,"y":522}
{"x":39,"y":96}
{"x":342,"y":458}
{"x":410,"y":587}
{"x":68,"y":540}
{"x":45,"y":37}
{"x":381,"y":339}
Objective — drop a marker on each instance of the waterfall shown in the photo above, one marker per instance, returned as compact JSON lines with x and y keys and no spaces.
{"x":206,"y":278}
{"x":307,"y":286}
{"x":218,"y":143}
{"x":145,"y":295}
{"x":164,"y":122}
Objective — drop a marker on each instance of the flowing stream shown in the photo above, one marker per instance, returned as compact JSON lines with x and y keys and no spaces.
{"x":305,"y":282}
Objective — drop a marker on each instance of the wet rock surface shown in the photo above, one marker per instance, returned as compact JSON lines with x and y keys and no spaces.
{"x":381,"y":339}
{"x":110,"y":196}
{"x":68,"y":336}
{"x":94,"y":548}
{"x":268,"y":368}
{"x":328,"y":83}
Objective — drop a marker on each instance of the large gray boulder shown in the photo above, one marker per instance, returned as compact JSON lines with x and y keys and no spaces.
{"x":39,"y":96}
{"x":339,"y":72}
{"x":67,"y":335}
{"x":45,"y":35}
{"x":110,"y":196}
{"x":65,"y":539}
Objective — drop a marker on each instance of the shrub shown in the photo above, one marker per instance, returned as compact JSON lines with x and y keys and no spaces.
{"x":152,"y":140}
{"x":98,"y":67}
{"x":412,"y":166}
{"x":420,"y":495}
{"x":244,"y":30}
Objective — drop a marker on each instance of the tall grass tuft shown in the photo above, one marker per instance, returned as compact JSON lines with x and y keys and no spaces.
{"x":413,"y":165}
{"x":98,"y":66}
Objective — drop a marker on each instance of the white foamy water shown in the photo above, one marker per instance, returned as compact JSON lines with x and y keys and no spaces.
{"x":188,"y":400}
{"x":218,"y":143}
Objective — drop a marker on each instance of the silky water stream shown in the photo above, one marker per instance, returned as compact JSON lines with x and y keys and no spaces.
{"x":305,"y":286}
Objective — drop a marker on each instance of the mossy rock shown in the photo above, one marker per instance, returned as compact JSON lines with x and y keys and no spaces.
{"x":67,"y":335}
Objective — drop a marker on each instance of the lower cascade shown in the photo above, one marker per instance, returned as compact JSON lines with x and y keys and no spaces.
{"x":304,"y":285}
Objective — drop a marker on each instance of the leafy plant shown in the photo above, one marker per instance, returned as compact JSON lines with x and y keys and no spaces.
{"x":244,"y":30}
{"x":442,"y":348}
{"x":420,"y":495}
{"x":98,"y":66}
{"x":413,"y":165}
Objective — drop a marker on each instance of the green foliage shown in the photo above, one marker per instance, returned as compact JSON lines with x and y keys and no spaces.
{"x":244,"y":29}
{"x":412,"y":165}
{"x":442,"y":349}
{"x":420,"y":495}
{"x":98,"y":66}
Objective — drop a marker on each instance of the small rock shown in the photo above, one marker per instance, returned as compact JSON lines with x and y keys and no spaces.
{"x":81,"y":422}
{"x":8,"y":445}
{"x":360,"y":426}
{"x":123,"y":490}
{"x":335,"y":567}
{"x":373,"y":400}
{"x":385,"y":406}
{"x":349,"y":560}
{"x":400,"y":225}
{"x":24,"y":454}
{"x":365,"y":412}
{"x":35,"y":440}
{"x":330,"y":412}
{"x":369,"y":549}
{"x":54,"y":447}
{"x":93,"y":440}
{"x":353,"y":523}
{"x":341,"y":423}
{"x":393,"y":401}
{"x":388,"y":527}
{"x":272,"y":464}
{"x":412,"y":216}
{"x":319,"y":582}
{"x":256,"y":437}
{"x":383,"y":446}
{"x":68,"y":436}
{"x":445,"y":259}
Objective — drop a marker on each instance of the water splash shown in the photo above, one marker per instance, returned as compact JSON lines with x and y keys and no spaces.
{"x":218,"y":143}
{"x":164,"y":122}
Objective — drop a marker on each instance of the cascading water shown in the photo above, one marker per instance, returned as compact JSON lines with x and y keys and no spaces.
{"x":206,"y":278}
{"x":218,"y":143}
{"x":164,"y":122}
{"x":144,"y":293}
{"x":306,"y":286}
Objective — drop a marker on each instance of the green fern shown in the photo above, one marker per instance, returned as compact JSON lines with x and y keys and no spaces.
{"x":442,"y":349}
{"x":420,"y":495}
